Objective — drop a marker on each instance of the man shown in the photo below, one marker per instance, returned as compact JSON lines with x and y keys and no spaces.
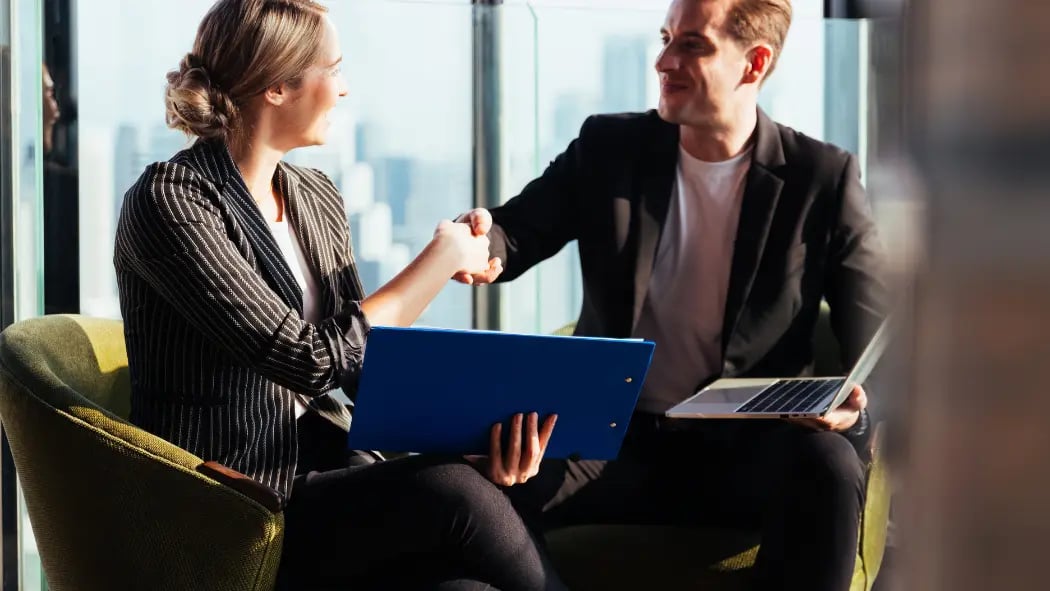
{"x":715,"y":232}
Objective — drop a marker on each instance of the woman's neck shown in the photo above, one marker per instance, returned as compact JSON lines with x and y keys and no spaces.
{"x":257,"y":163}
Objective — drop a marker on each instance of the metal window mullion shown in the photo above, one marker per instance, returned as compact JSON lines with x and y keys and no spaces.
{"x":487,"y":116}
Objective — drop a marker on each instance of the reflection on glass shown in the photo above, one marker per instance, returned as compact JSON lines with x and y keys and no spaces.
{"x":399,"y":149}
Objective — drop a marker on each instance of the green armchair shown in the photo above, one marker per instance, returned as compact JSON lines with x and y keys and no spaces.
{"x":694,"y":558}
{"x":113,"y":507}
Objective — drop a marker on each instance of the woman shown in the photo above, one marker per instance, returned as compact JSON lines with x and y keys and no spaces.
{"x":243,"y":309}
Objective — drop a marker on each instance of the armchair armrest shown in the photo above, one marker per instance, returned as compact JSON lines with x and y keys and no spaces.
{"x":254,"y":490}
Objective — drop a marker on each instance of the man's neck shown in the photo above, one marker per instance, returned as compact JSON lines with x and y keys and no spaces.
{"x":715,"y":144}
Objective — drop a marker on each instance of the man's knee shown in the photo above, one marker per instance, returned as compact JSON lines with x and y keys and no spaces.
{"x":828,"y":461}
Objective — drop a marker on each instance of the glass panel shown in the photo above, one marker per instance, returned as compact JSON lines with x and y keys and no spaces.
{"x":27,"y":156}
{"x":26,"y":169}
{"x":399,"y":148}
{"x":564,"y":60}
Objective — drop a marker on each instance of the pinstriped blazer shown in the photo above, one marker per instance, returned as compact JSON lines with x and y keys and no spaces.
{"x":213,"y":317}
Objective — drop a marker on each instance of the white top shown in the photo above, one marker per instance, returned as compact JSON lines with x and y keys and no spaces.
{"x":292,"y":250}
{"x":685,"y":306}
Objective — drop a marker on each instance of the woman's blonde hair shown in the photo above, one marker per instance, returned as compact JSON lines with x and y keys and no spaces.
{"x":243,"y":47}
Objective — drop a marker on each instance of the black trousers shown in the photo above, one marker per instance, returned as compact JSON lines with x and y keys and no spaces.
{"x":411,"y":523}
{"x":803,"y":490}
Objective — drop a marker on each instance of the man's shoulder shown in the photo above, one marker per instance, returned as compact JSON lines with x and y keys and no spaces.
{"x":811,"y":156}
{"x":615,"y":138}
{"x":618,"y":124}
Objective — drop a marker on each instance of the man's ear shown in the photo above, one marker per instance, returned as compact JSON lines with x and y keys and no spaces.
{"x":276,"y":95}
{"x":759,"y":58}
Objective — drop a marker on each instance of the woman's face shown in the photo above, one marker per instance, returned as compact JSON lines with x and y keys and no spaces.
{"x":303,"y":118}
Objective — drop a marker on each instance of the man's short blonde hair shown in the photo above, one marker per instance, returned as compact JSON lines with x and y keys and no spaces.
{"x":752,"y":21}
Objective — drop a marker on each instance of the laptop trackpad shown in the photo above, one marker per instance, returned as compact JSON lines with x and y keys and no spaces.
{"x":718,"y":400}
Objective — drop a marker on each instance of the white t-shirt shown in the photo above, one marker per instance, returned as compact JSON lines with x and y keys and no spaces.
{"x":292,"y":250}
{"x":685,"y":304}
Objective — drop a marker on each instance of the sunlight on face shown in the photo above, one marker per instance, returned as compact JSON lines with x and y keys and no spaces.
{"x":305,"y":116}
{"x":700,"y":66}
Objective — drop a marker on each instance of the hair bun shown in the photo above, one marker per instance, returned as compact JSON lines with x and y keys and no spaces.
{"x":195,"y":105}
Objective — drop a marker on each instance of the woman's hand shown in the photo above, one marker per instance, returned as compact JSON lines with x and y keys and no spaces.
{"x":469,"y":251}
{"x":525,"y":450}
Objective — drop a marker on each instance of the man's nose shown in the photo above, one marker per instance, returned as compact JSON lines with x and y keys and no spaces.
{"x":666,"y":61}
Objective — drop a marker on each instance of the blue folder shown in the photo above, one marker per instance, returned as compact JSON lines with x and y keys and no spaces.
{"x":440,"y":391}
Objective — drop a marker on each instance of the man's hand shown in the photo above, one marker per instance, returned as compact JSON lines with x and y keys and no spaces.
{"x":525,"y":450}
{"x":841,"y":418}
{"x":480,"y":222}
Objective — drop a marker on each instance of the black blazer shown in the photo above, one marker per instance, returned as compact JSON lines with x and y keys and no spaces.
{"x":217,"y":346}
{"x":805,"y":233}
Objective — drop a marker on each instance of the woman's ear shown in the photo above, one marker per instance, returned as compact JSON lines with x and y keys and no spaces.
{"x":276,"y":95}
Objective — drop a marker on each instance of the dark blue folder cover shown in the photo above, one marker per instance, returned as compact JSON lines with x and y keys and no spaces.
{"x":439,"y":391}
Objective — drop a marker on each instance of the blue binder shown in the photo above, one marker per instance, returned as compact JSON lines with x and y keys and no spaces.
{"x":439,"y":391}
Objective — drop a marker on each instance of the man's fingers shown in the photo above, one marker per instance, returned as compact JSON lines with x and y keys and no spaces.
{"x":480,"y":221}
{"x":859,"y":398}
{"x":817,"y":424}
{"x":495,"y":268}
{"x":464,"y":277}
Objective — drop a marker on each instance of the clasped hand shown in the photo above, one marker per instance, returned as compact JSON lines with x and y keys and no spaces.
{"x":480,"y":222}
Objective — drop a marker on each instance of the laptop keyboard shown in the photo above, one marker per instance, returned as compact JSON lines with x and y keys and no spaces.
{"x":791,"y":396}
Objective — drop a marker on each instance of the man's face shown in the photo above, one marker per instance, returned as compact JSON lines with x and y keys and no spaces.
{"x":701,"y":67}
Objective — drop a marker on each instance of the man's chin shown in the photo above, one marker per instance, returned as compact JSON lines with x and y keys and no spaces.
{"x":669,"y":114}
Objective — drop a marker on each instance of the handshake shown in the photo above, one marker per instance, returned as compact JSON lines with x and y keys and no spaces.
{"x":466,"y":241}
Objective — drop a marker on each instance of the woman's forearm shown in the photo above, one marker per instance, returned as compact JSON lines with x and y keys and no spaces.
{"x":401,"y":300}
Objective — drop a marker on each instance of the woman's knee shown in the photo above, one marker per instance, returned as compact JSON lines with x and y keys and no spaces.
{"x":459,"y":487}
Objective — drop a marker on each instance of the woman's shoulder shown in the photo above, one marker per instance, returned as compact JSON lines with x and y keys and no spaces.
{"x":312,"y":178}
{"x":315,"y":182}
{"x":184,"y":176}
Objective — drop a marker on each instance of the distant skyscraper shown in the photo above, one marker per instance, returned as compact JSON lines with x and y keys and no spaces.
{"x":164,"y":143}
{"x":625,"y":74}
{"x":394,"y":185}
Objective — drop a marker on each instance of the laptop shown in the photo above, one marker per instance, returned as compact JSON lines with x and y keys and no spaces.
{"x":439,"y":391}
{"x":773,"y":398}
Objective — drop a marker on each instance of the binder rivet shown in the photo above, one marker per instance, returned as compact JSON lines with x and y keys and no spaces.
{"x":629,"y":380}
{"x":612,"y":425}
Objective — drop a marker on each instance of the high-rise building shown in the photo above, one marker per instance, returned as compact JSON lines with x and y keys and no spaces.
{"x":394,"y":186}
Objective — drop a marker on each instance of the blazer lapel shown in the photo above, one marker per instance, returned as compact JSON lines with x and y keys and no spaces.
{"x":235,"y":193}
{"x":658,"y":164}
{"x":761,"y":194}
{"x":313,"y":235}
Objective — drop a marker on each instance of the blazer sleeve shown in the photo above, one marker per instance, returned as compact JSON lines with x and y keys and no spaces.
{"x":545,"y":216}
{"x":856,"y":288}
{"x":173,"y":235}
